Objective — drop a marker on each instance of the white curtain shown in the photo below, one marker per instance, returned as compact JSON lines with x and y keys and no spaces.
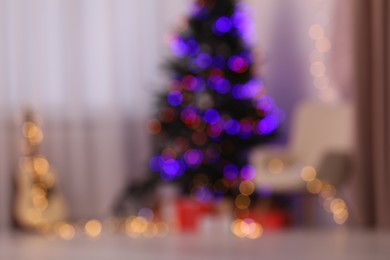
{"x":90,"y":68}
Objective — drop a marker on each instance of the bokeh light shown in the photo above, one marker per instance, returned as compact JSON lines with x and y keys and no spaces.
{"x":222,"y":86}
{"x":211,"y":116}
{"x":153,"y":127}
{"x":175,"y":98}
{"x":316,"y":32}
{"x":314,"y":186}
{"x":308,"y":173}
{"x":247,"y":188}
{"x":232,"y":127}
{"x":65,"y":231}
{"x":146,"y":213}
{"x":222,"y":25}
{"x":275,"y":166}
{"x":267,"y":125}
{"x":193,"y":157}
{"x":246,"y":228}
{"x":93,"y":228}
{"x":203,"y":60}
{"x":41,"y":165}
{"x":248,"y":172}
{"x":237,"y":64}
{"x":323,"y":45}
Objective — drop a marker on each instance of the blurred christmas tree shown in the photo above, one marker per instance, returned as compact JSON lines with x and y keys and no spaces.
{"x":38,"y":204}
{"x":214,"y":109}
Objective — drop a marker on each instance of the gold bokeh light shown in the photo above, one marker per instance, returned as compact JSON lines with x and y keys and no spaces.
{"x":275,"y":166}
{"x":93,"y":228}
{"x":308,"y":173}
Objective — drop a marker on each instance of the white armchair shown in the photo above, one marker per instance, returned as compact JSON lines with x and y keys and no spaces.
{"x":321,"y":136}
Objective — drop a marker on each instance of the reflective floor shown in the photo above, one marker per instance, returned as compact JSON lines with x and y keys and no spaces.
{"x":294,"y":244}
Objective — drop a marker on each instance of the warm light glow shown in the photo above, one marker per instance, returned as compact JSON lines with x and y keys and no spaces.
{"x":34,"y":216}
{"x":318,"y":69}
{"x":93,"y":228}
{"x":151,"y":230}
{"x":323,"y":45}
{"x":314,"y":186}
{"x":316,"y":31}
{"x":247,"y":188}
{"x":246,"y":228}
{"x":41,"y":165}
{"x":257,"y":232}
{"x":236,"y":228}
{"x":30,"y":129}
{"x":66,"y":231}
{"x":341,"y":217}
{"x":275,"y":166}
{"x":242,"y":201}
{"x":326,"y":204}
{"x":128,"y":225}
{"x":308,"y":173}
{"x":32,"y":132}
{"x":138,"y":225}
{"x":40,"y":202}
{"x":337,"y":205}
{"x":328,"y":191}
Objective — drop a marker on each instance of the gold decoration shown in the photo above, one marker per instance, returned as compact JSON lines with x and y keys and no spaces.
{"x":38,"y":204}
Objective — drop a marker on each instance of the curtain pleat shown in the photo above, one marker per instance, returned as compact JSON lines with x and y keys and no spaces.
{"x":372,"y":42}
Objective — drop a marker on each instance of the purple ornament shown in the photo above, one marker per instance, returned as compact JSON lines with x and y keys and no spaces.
{"x":171,"y":169}
{"x":267,"y":125}
{"x":175,"y":98}
{"x":193,"y":157}
{"x":222,"y":25}
{"x":179,"y":47}
{"x":248,"y":172}
{"x":222,"y":86}
{"x":203,"y":60}
{"x":237,"y":64}
{"x":265,"y":103}
{"x":211,"y":116}
{"x":232,"y":127}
